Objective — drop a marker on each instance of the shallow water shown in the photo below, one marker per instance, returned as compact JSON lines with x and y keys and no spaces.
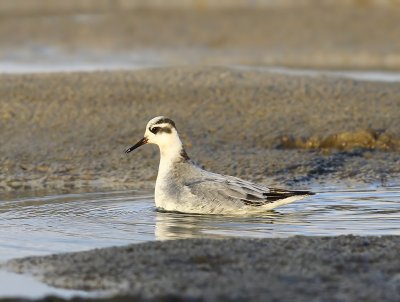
{"x":73,"y":222}
{"x":10,"y":286}
{"x":85,"y":63}
{"x":55,"y":223}
{"x":359,"y":75}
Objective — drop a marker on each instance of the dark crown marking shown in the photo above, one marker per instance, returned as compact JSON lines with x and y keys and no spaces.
{"x":166,"y":129}
{"x":165,"y":120}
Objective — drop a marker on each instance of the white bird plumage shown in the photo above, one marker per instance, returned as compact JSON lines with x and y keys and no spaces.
{"x":182,"y":186}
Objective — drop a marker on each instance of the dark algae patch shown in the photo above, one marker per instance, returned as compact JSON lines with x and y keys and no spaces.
{"x":349,"y":140}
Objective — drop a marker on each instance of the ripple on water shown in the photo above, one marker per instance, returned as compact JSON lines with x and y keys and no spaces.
{"x":74,"y":222}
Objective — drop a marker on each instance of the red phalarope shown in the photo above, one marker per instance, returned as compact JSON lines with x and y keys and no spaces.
{"x":182,"y":186}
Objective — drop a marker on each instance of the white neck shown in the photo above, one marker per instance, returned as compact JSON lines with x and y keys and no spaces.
{"x":170,"y":153}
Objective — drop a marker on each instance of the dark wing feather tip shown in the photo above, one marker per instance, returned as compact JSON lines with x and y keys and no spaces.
{"x":272,"y":196}
{"x":252,"y":197}
{"x":252,"y":203}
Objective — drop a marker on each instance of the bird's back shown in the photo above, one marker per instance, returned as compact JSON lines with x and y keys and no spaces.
{"x":188,"y":188}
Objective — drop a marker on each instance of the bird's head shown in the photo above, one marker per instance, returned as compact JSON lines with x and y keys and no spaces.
{"x":160,"y":131}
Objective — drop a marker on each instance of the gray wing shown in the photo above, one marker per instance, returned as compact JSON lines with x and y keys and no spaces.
{"x":215,"y":186}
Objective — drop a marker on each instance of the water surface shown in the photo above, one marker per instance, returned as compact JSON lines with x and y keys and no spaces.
{"x":136,"y":61}
{"x":73,"y":222}
{"x":15,"y":285}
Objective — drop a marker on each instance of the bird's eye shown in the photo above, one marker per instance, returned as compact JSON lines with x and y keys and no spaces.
{"x":154,"y":129}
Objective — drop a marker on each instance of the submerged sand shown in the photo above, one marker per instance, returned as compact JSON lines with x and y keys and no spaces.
{"x":69,"y":130}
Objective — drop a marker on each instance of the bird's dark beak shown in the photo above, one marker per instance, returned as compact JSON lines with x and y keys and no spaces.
{"x":143,"y":141}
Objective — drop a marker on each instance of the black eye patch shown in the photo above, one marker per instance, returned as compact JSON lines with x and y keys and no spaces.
{"x":156,"y":130}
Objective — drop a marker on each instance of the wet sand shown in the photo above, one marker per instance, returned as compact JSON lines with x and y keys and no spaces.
{"x":69,"y":130}
{"x":63,"y":131}
{"x":344,"y":268}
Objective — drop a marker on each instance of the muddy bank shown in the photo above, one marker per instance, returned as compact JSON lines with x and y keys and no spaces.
{"x":345,"y":268}
{"x":70,"y":130}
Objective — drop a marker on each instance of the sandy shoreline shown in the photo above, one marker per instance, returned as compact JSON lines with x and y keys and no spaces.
{"x":343,"y":268}
{"x":69,"y":130}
